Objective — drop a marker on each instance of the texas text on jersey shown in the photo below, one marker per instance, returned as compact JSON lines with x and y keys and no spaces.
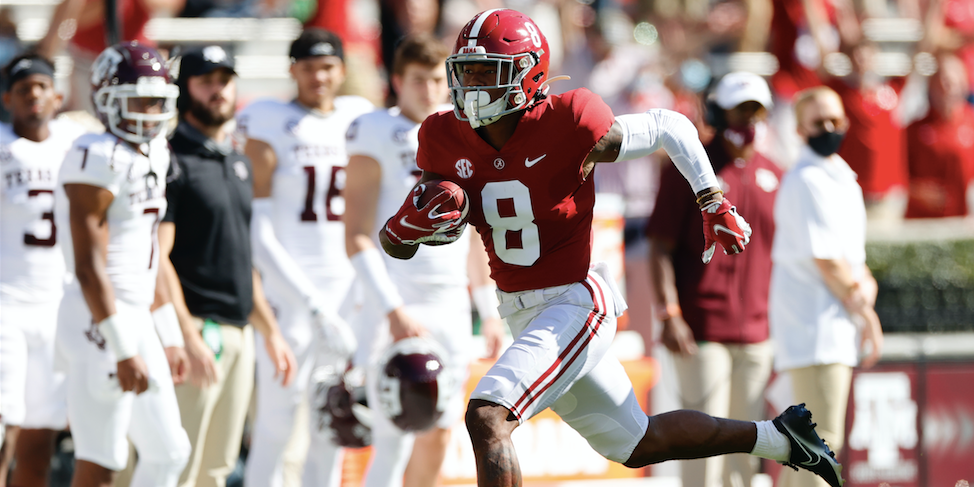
{"x":530,"y":202}
{"x":33,"y":267}
{"x":138,"y":183}
{"x":308,"y":179}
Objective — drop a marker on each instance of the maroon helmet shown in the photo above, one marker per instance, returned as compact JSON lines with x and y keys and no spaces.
{"x":132,"y":92}
{"x":414,"y":388}
{"x":512,"y":40}
{"x":343,"y":412}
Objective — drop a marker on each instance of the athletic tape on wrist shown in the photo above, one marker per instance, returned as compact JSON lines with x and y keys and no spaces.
{"x":370,"y":267}
{"x":167,"y":326}
{"x":485,"y":299}
{"x":121,"y":337}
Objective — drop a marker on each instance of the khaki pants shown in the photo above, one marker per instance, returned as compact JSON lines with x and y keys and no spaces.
{"x":825,"y":391}
{"x":214,"y":417}
{"x":726,"y":381}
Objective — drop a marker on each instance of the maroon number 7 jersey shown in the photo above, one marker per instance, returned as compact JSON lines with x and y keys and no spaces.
{"x":529,"y":201}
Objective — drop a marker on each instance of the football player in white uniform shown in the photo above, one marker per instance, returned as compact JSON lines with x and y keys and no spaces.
{"x":31,"y":269}
{"x":426,"y":296}
{"x":110,"y":198}
{"x":298,"y":153}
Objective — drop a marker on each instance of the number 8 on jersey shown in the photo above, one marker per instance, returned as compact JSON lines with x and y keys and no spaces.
{"x":507,"y":209}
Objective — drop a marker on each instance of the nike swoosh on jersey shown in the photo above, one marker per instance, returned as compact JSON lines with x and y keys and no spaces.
{"x":721,"y":228}
{"x":403,"y":222}
{"x":531,"y":162}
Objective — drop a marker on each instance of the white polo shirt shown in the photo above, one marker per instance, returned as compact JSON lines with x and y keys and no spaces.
{"x":818,"y":214}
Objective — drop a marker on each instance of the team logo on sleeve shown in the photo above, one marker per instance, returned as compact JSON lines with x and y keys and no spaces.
{"x":464,"y":168}
{"x":240,"y":169}
{"x":291,"y":126}
{"x":399,"y":136}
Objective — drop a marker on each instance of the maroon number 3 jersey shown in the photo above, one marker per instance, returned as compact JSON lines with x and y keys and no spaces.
{"x":529,"y":201}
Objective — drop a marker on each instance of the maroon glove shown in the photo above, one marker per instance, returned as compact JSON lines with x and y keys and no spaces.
{"x":440,"y":220}
{"x":722,"y":224}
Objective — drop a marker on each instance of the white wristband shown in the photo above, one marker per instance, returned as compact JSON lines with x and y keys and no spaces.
{"x":371,"y":269}
{"x":485,"y":299}
{"x":122,"y":338}
{"x":167,"y":326}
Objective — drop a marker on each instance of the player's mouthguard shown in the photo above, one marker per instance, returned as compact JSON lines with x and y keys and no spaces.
{"x":472,"y":101}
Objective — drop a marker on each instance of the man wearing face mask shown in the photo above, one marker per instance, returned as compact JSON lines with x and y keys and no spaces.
{"x":822,"y":294}
{"x":715,"y":316}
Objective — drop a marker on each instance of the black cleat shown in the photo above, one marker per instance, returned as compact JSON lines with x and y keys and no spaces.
{"x":808,"y":451}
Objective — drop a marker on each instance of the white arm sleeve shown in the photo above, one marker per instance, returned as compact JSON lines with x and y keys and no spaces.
{"x":372,"y":271}
{"x":277,"y":268}
{"x":645,"y":133}
{"x":167,"y":326}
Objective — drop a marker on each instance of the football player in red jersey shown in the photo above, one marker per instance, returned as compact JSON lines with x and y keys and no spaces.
{"x":525,"y":162}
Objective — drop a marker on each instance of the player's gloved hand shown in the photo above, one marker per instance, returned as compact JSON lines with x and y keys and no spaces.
{"x":413,"y":224}
{"x":333,"y":334}
{"x":722,"y":224}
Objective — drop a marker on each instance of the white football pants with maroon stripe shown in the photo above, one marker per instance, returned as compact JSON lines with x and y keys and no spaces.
{"x":558,"y":360}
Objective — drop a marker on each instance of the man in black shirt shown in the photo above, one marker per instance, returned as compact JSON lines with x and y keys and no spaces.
{"x":215,"y":290}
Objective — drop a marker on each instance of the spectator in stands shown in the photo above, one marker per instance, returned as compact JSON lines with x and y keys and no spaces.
{"x":875,"y":146}
{"x":719,"y":333}
{"x":81,"y":24}
{"x":822,"y":293}
{"x":940,"y":147}
{"x":215,"y":290}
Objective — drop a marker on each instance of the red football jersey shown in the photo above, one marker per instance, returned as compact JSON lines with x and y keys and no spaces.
{"x":529,"y":201}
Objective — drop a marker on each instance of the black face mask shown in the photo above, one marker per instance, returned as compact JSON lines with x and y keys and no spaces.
{"x":826,"y":143}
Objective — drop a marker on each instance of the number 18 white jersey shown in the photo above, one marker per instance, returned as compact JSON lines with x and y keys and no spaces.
{"x":308,"y":179}
{"x":31,"y":264}
{"x":138,"y":183}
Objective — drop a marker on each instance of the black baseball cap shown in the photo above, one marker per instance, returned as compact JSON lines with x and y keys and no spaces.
{"x":316,"y":42}
{"x":204,"y":60}
{"x":25,"y":65}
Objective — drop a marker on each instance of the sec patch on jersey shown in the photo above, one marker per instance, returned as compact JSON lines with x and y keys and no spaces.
{"x":444,"y":202}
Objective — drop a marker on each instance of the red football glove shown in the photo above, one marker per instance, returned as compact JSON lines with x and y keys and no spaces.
{"x":412,"y":225}
{"x":722,"y":224}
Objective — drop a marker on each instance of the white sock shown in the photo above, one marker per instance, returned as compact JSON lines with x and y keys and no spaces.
{"x":771,"y":443}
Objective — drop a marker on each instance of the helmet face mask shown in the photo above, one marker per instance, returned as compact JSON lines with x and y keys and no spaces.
{"x":121,"y":106}
{"x":519,"y":51}
{"x":132,"y":93}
